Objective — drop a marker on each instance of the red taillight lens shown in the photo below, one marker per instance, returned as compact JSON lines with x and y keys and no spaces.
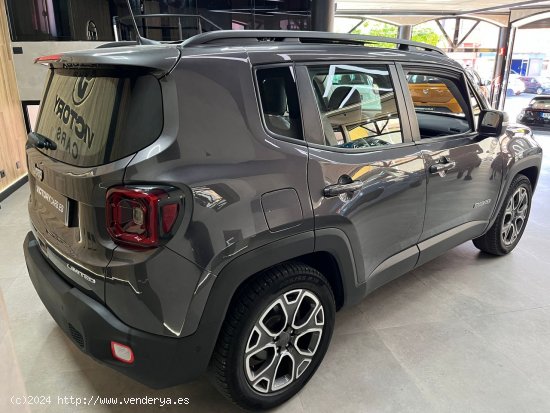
{"x":48,"y":59}
{"x":141,"y":216}
{"x":169,"y":215}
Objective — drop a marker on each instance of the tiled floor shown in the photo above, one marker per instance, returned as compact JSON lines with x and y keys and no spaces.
{"x":464,"y":333}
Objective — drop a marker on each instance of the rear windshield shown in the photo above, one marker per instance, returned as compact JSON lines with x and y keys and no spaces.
{"x":96,"y":118}
{"x":541,"y":103}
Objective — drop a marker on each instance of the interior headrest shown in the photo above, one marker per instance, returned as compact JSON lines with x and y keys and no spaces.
{"x":274,"y":102}
{"x":346,"y":80}
{"x":343,"y":96}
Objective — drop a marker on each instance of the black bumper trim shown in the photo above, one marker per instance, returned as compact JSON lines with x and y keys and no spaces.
{"x":159,"y":361}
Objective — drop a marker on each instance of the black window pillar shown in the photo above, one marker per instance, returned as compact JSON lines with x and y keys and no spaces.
{"x":322,"y":15}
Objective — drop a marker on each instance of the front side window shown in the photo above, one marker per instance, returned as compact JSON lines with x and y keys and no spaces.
{"x":440,"y":106}
{"x":357,"y":104}
{"x":279,"y":98}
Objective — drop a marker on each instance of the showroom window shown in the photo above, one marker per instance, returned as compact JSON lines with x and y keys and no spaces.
{"x":279,"y":97}
{"x":358,"y":105}
{"x":70,"y":20}
{"x":441,"y":108}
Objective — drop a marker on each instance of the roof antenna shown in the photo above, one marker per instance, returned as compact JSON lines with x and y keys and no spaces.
{"x":139,"y":38}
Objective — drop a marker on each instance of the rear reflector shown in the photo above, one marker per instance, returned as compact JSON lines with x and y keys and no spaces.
{"x":122,"y":353}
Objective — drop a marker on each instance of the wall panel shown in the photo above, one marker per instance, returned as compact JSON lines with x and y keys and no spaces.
{"x":12,"y":125}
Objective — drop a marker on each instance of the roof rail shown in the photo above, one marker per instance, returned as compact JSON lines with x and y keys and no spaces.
{"x":232,"y":36}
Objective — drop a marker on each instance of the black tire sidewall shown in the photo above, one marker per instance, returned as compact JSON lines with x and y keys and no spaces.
{"x":235,"y":359}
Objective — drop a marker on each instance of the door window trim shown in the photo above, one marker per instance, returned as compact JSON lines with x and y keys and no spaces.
{"x":311,"y":113}
{"x":452,"y":73}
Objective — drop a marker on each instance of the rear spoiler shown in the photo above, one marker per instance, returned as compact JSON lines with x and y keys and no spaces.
{"x":160,"y":59}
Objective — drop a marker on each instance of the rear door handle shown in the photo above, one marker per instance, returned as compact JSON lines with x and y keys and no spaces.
{"x":442,"y":165}
{"x":339,"y":189}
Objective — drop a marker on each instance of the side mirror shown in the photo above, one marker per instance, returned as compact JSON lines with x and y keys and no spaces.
{"x":492,"y":122}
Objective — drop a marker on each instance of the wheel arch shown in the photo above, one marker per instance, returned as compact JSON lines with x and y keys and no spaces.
{"x":530,"y":167}
{"x":335,"y":262}
{"x":532,"y":173}
{"x":328,"y":251}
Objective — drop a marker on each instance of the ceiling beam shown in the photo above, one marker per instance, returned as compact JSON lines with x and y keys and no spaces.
{"x":394,"y":12}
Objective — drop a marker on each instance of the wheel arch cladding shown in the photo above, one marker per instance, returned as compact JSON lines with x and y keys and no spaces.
{"x":532,"y":173}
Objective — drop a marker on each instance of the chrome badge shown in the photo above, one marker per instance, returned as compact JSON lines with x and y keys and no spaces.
{"x":38,"y":173}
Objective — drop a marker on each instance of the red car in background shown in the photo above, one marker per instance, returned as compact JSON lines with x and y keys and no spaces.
{"x":532,"y":85}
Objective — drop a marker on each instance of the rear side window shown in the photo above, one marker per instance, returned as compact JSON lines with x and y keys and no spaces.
{"x":540,"y":103}
{"x":440,"y":105}
{"x":95,"y":119}
{"x":357,"y":104}
{"x":279,"y":98}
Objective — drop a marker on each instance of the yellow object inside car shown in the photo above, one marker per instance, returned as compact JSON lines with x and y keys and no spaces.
{"x":434,"y":95}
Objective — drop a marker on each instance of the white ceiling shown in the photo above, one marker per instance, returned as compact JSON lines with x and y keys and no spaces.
{"x":440,"y":6}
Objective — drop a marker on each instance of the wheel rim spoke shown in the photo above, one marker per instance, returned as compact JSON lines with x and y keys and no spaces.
{"x":305,"y":312}
{"x":284,"y":340}
{"x":301,"y":362}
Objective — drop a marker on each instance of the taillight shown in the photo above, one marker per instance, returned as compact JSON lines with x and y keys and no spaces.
{"x":142,"y":216}
{"x":45,"y":60}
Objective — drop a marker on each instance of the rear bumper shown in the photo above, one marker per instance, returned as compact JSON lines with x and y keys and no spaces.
{"x":158,"y":361}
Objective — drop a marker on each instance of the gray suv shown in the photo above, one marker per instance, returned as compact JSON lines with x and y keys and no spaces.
{"x":210,"y":205}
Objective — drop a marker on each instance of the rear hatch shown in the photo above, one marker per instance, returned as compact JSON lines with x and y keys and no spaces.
{"x":99,"y":108}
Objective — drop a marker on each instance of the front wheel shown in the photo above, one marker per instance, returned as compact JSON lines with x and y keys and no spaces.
{"x":539,"y":91}
{"x":274,"y":337}
{"x":508,"y":228}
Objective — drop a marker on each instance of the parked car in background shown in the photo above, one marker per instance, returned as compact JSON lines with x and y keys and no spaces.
{"x":531,"y":83}
{"x":515,"y":86}
{"x":537,"y":113}
{"x":544,"y":88}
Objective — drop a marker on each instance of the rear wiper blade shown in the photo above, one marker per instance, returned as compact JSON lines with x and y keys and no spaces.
{"x":40,"y":141}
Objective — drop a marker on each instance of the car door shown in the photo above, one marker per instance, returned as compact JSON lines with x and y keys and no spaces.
{"x":463,"y":168}
{"x":366,"y":177}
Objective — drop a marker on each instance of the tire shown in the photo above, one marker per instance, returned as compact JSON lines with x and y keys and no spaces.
{"x":259,"y":380}
{"x":539,"y":91}
{"x":503,"y":236}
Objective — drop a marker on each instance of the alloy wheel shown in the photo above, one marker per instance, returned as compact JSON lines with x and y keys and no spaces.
{"x":515,"y":216}
{"x":284,"y":341}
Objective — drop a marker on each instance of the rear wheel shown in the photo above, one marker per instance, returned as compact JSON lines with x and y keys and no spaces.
{"x":508,"y":228}
{"x":274,"y":337}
